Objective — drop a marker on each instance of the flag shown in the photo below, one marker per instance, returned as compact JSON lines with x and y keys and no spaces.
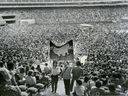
{"x":63,"y":52}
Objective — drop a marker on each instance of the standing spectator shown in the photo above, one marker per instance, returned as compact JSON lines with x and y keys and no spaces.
{"x":5,"y":89}
{"x":61,"y":68}
{"x":77,"y":72}
{"x":66,"y":75}
{"x":55,"y":71}
{"x":47,"y":69}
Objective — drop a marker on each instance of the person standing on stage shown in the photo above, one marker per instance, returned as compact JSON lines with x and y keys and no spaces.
{"x":66,"y":75}
{"x":55,"y":72}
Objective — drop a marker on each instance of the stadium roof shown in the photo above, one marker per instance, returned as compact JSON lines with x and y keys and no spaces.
{"x":59,"y":0}
{"x":59,"y":3}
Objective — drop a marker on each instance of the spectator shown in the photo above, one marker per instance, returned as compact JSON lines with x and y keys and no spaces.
{"x":79,"y":89}
{"x":37,"y":75}
{"x":21,"y":73}
{"x":30,"y":80}
{"x":77,"y":72}
{"x":45,"y":80}
{"x":86,"y":85}
{"x":66,"y":75}
{"x":27,"y":69}
{"x":92,"y":81}
{"x":61,"y":68}
{"x":38,"y":68}
{"x":33,"y":68}
{"x":20,"y":76}
{"x":97,"y":91}
{"x":47,"y":70}
{"x":38,"y":79}
{"x":5,"y":89}
{"x":1,"y":64}
{"x":55,"y":71}
{"x":10,"y":67}
{"x":112,"y":91}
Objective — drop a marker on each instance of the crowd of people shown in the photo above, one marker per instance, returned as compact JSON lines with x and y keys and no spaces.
{"x":22,"y":79}
{"x":95,"y":78}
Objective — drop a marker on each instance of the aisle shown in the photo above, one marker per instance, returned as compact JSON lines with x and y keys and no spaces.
{"x":60,"y":90}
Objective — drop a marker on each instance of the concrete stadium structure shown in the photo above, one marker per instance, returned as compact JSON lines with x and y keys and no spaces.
{"x":32,"y":24}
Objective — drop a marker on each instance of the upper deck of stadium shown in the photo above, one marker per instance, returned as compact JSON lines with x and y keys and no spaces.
{"x":59,"y":3}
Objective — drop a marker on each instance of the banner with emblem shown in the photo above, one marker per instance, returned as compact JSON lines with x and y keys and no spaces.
{"x":63,"y":52}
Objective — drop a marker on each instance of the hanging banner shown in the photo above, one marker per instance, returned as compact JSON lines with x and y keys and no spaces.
{"x":64,"y":52}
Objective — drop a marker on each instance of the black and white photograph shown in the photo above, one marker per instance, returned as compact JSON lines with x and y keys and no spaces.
{"x":63,"y":47}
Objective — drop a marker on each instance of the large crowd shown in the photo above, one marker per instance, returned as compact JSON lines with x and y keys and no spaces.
{"x":95,"y":78}
{"x":100,"y":77}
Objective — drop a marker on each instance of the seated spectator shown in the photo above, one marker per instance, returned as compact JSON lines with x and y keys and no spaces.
{"x":38,"y":76}
{"x":1,"y":64}
{"x":21,"y":73}
{"x":21,"y":76}
{"x":5,"y":89}
{"x":79,"y":89}
{"x":45,"y":80}
{"x":104,"y":85}
{"x":113,"y":92}
{"x":92,"y":82}
{"x":38,"y":79}
{"x":86,"y":84}
{"x":33,"y":68}
{"x":17,"y":78}
{"x":27,"y":68}
{"x":38,"y":68}
{"x":10,"y":67}
{"x":30,"y":80}
{"x":115,"y":78}
{"x":125,"y":85}
{"x":97,"y":91}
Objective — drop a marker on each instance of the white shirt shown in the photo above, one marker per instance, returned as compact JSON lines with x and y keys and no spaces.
{"x":55,"y":71}
{"x":79,"y":90}
{"x":30,"y":80}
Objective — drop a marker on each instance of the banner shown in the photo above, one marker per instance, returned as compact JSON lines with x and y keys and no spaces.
{"x":64,"y":52}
